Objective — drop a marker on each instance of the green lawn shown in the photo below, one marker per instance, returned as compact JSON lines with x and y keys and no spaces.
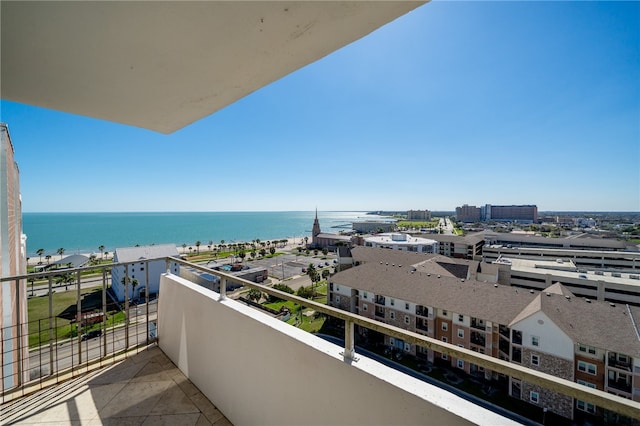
{"x":311,"y":323}
{"x":64,"y":311}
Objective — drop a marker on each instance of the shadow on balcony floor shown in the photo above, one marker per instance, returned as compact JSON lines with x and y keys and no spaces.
{"x":145,"y":389}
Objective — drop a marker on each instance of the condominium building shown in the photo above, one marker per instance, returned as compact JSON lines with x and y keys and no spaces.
{"x":488,"y":212}
{"x":142,"y":277}
{"x":13,"y":294}
{"x":419,"y":215}
{"x":460,"y":302}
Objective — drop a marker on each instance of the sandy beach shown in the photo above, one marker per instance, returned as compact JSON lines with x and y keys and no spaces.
{"x":291,"y":244}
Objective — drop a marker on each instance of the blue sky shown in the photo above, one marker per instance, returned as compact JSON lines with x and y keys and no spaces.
{"x":456,"y":102}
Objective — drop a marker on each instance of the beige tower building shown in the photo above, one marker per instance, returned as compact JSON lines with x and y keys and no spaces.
{"x":13,"y":294}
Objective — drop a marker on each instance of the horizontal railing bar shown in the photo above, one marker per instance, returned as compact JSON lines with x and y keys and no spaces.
{"x":563,"y":386}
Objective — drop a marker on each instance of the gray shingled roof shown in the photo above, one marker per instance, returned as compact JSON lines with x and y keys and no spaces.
{"x":132,"y":254}
{"x":592,"y":323}
{"x":483,"y":300}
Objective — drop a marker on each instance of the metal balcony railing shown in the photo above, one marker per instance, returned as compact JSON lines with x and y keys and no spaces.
{"x":81,"y":359}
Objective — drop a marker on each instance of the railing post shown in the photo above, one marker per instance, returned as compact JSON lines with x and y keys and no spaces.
{"x":349,"y":341}
{"x":223,"y":288}
{"x":51,"y":324}
{"x":126,"y":306}
{"x":146,"y":298}
{"x":168,"y":262}
{"x":79,"y":319}
{"x":104,"y":311}
{"x":19,"y":334}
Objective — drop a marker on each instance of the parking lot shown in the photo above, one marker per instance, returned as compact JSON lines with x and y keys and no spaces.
{"x":286,"y":265}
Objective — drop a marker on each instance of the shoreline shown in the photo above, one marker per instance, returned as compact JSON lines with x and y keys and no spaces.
{"x":292,"y":243}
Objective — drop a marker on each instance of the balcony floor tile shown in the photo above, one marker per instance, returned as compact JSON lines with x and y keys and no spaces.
{"x":145,"y":389}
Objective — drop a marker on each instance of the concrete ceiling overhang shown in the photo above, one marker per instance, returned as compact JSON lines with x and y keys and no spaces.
{"x":163,"y":65}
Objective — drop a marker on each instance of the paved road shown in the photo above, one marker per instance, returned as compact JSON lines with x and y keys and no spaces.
{"x":70,"y":352}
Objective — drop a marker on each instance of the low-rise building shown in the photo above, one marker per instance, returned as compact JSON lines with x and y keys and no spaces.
{"x":143,"y":275}
{"x":404,"y":242}
{"x":593,"y":343}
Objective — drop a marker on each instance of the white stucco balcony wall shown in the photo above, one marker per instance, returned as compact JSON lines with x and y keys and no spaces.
{"x":259,"y":370}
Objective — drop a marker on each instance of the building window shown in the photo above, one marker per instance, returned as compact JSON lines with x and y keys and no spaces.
{"x":535,"y":341}
{"x":445,"y":326}
{"x":585,"y":406}
{"x":337,"y":287}
{"x":406,"y":319}
{"x":407,"y":347}
{"x":392,"y":341}
{"x":337,"y":299}
{"x":365,"y":307}
{"x":460,"y":363}
{"x":587,"y":367}
{"x":392,"y":315}
{"x":461,"y":318}
{"x":444,"y":312}
{"x":393,"y":302}
{"x":534,"y":397}
{"x":444,"y":339}
{"x":406,"y":306}
{"x":365,"y":295}
{"x":461,"y":333}
{"x":444,"y":356}
{"x":535,"y":359}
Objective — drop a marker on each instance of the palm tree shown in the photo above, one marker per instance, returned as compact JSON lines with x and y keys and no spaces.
{"x":101,"y":248}
{"x":210,"y":244}
{"x":48,"y":258}
{"x":198,"y":246}
{"x":40,"y":252}
{"x":184,"y":247}
{"x":60,"y":252}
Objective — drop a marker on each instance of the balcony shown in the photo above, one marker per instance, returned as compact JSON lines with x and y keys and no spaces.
{"x":478,"y":324}
{"x":422,"y":324}
{"x":379,"y":312}
{"x":478,"y":338}
{"x":215,"y":342}
{"x":422,"y":311}
{"x":621,"y":385}
{"x":614,"y":362}
{"x":380,"y":300}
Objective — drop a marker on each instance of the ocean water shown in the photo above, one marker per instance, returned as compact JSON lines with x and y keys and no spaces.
{"x":85,"y":232}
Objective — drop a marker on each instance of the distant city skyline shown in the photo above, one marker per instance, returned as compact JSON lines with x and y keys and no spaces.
{"x":454,"y":103}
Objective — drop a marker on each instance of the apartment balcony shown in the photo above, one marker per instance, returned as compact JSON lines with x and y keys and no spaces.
{"x":478,"y":324}
{"x":216,"y":360}
{"x":478,"y":338}
{"x":620,"y":385}
{"x":379,"y":312}
{"x":422,"y":311}
{"x":619,"y":364}
{"x":380,"y":300}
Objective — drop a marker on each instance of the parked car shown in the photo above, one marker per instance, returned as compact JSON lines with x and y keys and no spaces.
{"x":91,"y":334}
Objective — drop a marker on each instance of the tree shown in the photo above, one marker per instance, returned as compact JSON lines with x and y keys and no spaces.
{"x":315,"y":252}
{"x":48,"y":258}
{"x":253,"y":254}
{"x":325,"y":251}
{"x":198,"y":246}
{"x":255,"y":295}
{"x":40,"y":252}
{"x":263,"y":252}
{"x":184,"y":247}
{"x":242,"y":254}
{"x":60,"y":251}
{"x":325,"y":273}
{"x":101,"y":249}
{"x":272,"y":250}
{"x":306,"y":240}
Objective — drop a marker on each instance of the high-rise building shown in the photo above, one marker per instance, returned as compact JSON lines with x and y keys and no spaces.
{"x":488,"y":212}
{"x":13,"y":294}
